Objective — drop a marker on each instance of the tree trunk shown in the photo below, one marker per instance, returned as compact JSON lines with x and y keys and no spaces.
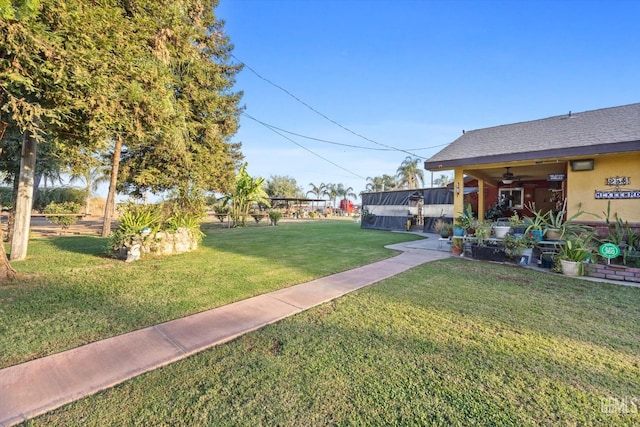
{"x":24,"y":201}
{"x":6,"y":272}
{"x":111,"y":197}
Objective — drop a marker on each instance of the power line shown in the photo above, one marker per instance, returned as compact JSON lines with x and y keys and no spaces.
{"x":332,"y":142}
{"x":305,"y":148}
{"x":321,"y":114}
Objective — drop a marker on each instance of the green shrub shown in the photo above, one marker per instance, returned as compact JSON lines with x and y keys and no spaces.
{"x":275,"y":216}
{"x":6,"y":197}
{"x":136,"y":223}
{"x":185,"y":220}
{"x":141,"y":222}
{"x":44,"y":198}
{"x":66,"y":208}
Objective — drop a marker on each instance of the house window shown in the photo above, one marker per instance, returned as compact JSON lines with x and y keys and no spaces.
{"x":512,"y":197}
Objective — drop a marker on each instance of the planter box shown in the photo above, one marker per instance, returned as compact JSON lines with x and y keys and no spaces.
{"x":488,"y":253}
{"x":613,"y":272}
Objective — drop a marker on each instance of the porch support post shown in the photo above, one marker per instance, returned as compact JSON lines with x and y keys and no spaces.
{"x":458,"y":192}
{"x":481,"y":207}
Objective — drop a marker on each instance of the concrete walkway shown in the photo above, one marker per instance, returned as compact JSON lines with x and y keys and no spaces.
{"x":41,"y":385}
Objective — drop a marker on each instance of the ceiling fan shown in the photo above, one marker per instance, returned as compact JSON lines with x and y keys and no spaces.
{"x":507,"y":177}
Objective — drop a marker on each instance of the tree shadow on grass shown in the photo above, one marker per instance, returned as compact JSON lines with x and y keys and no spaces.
{"x":85,"y":245}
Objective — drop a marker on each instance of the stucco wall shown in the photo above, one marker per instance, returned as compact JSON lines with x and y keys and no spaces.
{"x":581,"y":187}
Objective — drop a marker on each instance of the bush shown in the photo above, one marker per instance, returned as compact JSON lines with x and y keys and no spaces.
{"x":67,"y":208}
{"x":44,"y":198}
{"x":275,"y":216}
{"x":140,"y":223}
{"x":58,"y":195}
{"x":135,"y":220}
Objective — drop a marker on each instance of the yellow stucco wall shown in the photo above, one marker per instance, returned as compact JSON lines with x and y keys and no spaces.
{"x":581,"y":187}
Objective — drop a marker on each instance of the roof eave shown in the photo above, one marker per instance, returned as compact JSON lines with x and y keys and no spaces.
{"x":589,"y":150}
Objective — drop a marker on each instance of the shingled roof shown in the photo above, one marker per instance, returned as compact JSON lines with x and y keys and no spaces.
{"x":608,"y":130}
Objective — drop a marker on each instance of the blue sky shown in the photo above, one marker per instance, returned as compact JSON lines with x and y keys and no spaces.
{"x":412,"y":74}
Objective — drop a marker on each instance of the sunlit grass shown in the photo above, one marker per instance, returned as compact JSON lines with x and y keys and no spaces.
{"x":447,"y":343}
{"x":71,"y":293}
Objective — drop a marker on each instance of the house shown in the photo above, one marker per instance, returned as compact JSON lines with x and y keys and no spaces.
{"x":573,"y":161}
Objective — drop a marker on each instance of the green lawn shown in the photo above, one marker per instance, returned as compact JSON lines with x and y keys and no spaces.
{"x":72,"y":294}
{"x":451,"y":342}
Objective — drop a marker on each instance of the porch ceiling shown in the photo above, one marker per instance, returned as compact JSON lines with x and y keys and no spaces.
{"x":521,"y":173}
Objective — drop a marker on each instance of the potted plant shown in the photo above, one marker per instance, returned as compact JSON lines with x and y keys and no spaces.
{"x":517,"y":224}
{"x":501,"y":228}
{"x":573,"y":253}
{"x":519,"y":248}
{"x":464,"y":222}
{"x":554,"y":226}
{"x":442,"y":228}
{"x":480,"y":250}
{"x":456,"y":246}
{"x":483,"y":230}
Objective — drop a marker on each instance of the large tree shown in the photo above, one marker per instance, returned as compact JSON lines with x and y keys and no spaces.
{"x":148,"y":78}
{"x":282,"y":186}
{"x":196,"y":149}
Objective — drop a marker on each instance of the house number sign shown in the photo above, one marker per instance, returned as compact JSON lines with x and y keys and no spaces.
{"x":616,"y":192}
{"x":616,"y":181}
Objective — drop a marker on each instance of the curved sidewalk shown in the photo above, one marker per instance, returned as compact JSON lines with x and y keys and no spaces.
{"x":36,"y":387}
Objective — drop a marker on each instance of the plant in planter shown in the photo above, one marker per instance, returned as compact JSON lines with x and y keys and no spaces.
{"x":554,"y":225}
{"x":442,"y":228}
{"x":456,"y":246}
{"x":464,"y":222}
{"x":517,"y":224}
{"x":621,"y":234}
{"x":483,"y":230}
{"x":501,"y":228}
{"x":518,"y":247}
{"x":136,"y":224}
{"x":480,"y":250}
{"x":573,"y":253}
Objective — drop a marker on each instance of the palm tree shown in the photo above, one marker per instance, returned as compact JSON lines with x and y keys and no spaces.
{"x":381,"y":183}
{"x":92,"y":177}
{"x":330,"y":192}
{"x":317,"y":191}
{"x":410,"y":174}
{"x":374,"y":184}
{"x":343,"y":192}
{"x":443,"y":181}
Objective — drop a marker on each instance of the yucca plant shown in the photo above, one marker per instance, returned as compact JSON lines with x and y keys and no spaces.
{"x":186,"y":220}
{"x":136,"y":222}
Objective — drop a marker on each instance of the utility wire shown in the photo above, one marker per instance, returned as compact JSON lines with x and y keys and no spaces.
{"x":332,"y":142}
{"x":321,"y":114}
{"x":305,"y":148}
